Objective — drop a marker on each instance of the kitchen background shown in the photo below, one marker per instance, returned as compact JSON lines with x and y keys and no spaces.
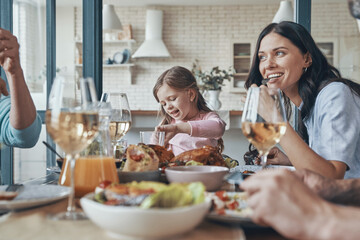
{"x":203,"y":32}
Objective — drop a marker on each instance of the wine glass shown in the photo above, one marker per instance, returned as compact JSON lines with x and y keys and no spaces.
{"x":120,"y":120}
{"x":263,"y":120}
{"x":72,"y":123}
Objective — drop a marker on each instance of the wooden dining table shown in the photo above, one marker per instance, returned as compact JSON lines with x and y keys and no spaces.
{"x":36,"y":224}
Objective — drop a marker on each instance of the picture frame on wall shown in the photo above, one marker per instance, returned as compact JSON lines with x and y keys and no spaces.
{"x":126,"y":34}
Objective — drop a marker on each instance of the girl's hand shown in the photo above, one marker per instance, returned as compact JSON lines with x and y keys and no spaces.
{"x":277,"y":157}
{"x":172,"y":129}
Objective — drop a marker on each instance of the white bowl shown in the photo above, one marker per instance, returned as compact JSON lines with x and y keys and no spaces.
{"x":134,"y":222}
{"x":211,"y":176}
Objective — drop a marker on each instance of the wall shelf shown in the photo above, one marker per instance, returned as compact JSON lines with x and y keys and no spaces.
{"x":110,"y":67}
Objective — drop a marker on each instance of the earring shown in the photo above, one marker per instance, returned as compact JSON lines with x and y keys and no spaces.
{"x":305,"y":69}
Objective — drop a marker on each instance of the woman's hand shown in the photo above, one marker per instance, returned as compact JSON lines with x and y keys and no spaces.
{"x":277,"y":157}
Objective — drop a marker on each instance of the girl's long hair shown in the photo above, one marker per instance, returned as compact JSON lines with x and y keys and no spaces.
{"x":181,"y":79}
{"x":319,"y":74}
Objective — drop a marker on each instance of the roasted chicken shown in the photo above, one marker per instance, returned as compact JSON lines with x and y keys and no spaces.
{"x":206,"y":155}
{"x":164,"y":155}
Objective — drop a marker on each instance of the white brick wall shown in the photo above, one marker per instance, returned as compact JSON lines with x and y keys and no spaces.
{"x":205,"y":33}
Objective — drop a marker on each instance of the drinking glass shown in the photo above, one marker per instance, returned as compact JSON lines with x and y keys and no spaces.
{"x":120,"y":120}
{"x":152,"y":137}
{"x":263,"y":120}
{"x":72,"y":123}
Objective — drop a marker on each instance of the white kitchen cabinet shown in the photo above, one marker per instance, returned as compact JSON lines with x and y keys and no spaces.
{"x":109,"y":49}
{"x":330,"y":48}
{"x":241,"y":54}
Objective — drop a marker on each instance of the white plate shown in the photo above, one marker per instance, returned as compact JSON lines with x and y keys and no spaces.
{"x":118,"y":57}
{"x":34,"y":195}
{"x":240,"y":216}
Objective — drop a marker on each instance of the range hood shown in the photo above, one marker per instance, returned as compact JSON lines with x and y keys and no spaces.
{"x":153,"y":46}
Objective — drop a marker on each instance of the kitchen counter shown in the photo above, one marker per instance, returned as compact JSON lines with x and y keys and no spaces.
{"x":150,"y":118}
{"x":154,"y":112}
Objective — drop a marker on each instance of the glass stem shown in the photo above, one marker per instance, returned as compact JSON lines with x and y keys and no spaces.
{"x":71,"y":203}
{"x":263,"y":161}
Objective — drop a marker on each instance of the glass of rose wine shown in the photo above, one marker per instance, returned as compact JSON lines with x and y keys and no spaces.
{"x":72,"y":122}
{"x":264,"y":119}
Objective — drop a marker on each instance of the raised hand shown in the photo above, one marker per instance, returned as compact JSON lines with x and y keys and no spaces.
{"x":9,"y":52}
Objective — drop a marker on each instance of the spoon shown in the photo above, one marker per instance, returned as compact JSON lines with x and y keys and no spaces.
{"x":52,"y":149}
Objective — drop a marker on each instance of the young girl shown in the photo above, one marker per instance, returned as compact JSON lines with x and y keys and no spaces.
{"x":188,"y":122}
{"x":329,"y":105}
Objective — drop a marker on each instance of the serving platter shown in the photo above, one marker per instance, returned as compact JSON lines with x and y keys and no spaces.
{"x":34,"y":195}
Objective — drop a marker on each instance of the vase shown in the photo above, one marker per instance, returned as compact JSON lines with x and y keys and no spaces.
{"x":213,"y":100}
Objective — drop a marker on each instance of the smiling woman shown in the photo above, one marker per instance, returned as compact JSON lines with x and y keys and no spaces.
{"x":287,"y":54}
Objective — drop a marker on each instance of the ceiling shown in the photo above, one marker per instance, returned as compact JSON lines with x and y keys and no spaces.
{"x":182,"y":2}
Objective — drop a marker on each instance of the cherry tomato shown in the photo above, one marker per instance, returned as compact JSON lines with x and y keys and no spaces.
{"x":222,"y":195}
{"x":232,"y":205}
{"x":104,"y":184}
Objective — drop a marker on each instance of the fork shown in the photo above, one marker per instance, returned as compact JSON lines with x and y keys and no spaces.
{"x":14,"y":188}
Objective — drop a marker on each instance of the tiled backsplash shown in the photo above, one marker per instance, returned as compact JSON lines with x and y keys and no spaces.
{"x":204,"y":33}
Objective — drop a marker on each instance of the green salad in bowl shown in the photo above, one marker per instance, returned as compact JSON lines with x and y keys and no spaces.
{"x":147,"y":209}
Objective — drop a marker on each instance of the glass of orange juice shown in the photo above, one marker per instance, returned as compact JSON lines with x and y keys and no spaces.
{"x":96,"y":163}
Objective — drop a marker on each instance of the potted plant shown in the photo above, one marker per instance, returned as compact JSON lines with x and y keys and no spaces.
{"x":211,"y":82}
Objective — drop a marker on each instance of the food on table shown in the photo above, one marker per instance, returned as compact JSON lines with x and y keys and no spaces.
{"x":8,"y":195}
{"x":230,"y":162}
{"x":230,"y":203}
{"x":163,"y":154}
{"x":248,"y":172}
{"x":152,"y":194}
{"x":206,"y":155}
{"x":140,"y":158}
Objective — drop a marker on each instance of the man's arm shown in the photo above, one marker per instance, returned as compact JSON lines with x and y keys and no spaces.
{"x":342,"y":191}
{"x":23,"y":111}
{"x":280,"y":199}
{"x":20,"y":124}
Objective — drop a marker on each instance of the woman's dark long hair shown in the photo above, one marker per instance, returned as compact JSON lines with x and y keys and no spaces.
{"x":181,"y":79}
{"x":316,"y":77}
